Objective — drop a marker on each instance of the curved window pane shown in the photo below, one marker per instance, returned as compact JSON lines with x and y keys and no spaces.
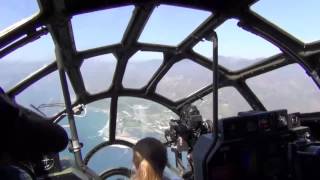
{"x":230,"y":103}
{"x":100,"y":28}
{"x":138,"y":118}
{"x":51,"y":101}
{"x":97,"y":72}
{"x":22,"y":62}
{"x":140,"y":68}
{"x":205,"y":48}
{"x":93,"y":127}
{"x":239,"y":48}
{"x":15,"y":11}
{"x":299,"y":18}
{"x":205,"y":106}
{"x":171,"y":24}
{"x":110,"y":157}
{"x":290,"y":89}
{"x":183,"y":79}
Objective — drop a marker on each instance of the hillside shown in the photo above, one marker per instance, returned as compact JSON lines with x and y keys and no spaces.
{"x":291,"y":88}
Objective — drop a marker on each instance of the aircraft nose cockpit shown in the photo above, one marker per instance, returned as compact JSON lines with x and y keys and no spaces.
{"x":229,"y":88}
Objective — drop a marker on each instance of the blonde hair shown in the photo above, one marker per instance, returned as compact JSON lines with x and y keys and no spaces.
{"x":149,"y":157}
{"x":145,"y":171}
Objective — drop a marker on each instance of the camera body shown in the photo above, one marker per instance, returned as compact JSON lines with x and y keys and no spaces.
{"x":189,"y":127}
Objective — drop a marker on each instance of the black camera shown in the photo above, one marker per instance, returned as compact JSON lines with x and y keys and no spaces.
{"x":189,"y":127}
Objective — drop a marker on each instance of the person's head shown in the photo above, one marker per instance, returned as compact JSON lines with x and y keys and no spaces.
{"x":149,"y":158}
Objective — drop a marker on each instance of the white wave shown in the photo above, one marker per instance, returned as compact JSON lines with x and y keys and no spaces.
{"x":163,"y":127}
{"x":65,"y":125}
{"x":95,"y":109}
{"x":104,"y":132}
{"x":139,"y":106}
{"x":126,"y":113}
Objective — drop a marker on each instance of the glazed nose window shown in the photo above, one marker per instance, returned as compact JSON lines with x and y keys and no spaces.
{"x":180,"y":81}
{"x":86,"y":27}
{"x":131,"y":67}
{"x":138,"y":118}
{"x":51,"y":101}
{"x":287,"y":82}
{"x":17,"y":11}
{"x":111,"y":157}
{"x":27,"y":62}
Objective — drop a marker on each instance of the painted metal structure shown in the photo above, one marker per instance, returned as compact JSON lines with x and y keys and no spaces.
{"x":55,"y":18}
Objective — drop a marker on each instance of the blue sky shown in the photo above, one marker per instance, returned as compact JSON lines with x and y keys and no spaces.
{"x":106,"y":27}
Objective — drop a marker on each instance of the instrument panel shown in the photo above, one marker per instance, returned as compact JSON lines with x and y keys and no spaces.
{"x":257,"y":123}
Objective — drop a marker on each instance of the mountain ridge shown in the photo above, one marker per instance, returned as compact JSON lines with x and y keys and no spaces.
{"x":276,"y":89}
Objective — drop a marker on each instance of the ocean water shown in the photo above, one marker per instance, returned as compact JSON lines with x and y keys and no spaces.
{"x":135,"y":120}
{"x":92,"y":131}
